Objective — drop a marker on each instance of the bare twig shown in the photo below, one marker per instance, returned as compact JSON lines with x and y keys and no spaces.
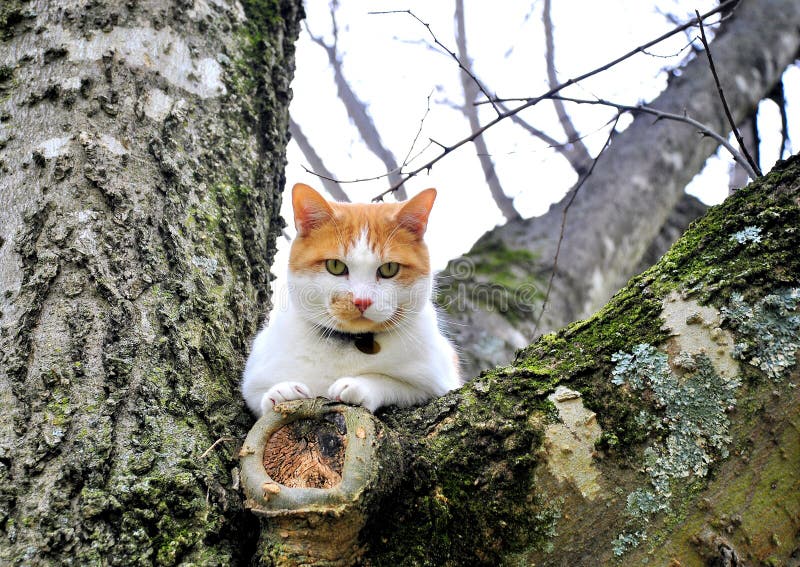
{"x":753,"y":165}
{"x":463,"y":65}
{"x":470,"y":86}
{"x":213,"y":446}
{"x":574,"y":194}
{"x":702,"y":128}
{"x":419,"y":130}
{"x":529,"y":102}
{"x":331,"y":182}
{"x":582,"y":156}
{"x":318,"y":167}
{"x":397,"y":170}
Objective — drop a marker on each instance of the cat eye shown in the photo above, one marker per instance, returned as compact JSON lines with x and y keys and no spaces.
{"x":336,"y":267}
{"x":389,"y":270}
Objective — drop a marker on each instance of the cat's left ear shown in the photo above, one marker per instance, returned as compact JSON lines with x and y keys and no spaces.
{"x":414,"y":213}
{"x":310,"y":209}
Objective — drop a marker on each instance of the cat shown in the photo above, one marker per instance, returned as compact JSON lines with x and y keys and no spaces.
{"x":360,"y":326}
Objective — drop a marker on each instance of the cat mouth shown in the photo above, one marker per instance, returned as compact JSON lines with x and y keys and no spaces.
{"x":359,"y":324}
{"x":362,"y":324}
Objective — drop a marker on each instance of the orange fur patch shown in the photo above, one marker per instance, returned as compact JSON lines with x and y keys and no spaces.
{"x":391,"y":241}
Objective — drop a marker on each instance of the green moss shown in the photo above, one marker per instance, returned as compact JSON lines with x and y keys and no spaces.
{"x":11,"y":14}
{"x":472,"y":483}
{"x":506,"y":267}
{"x":709,"y":259}
{"x":258,"y":53}
{"x":494,"y":278}
{"x":477,"y":477}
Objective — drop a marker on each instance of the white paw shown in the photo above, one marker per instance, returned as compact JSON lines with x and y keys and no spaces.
{"x":357,"y":391}
{"x":283,"y":392}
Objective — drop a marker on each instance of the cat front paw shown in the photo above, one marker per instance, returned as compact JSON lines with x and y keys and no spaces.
{"x":357,"y":391}
{"x":283,"y":392}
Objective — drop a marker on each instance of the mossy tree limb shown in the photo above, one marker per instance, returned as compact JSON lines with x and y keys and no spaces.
{"x":663,"y":427}
{"x":141,"y":172}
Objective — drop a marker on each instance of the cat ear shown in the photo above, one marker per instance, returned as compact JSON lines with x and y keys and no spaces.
{"x":414,"y":213}
{"x":310,"y":209}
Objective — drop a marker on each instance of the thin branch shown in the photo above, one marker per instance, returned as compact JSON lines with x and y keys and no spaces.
{"x":753,"y":165}
{"x":419,"y":130}
{"x":331,"y":182}
{"x":398,"y":170}
{"x":318,"y":167}
{"x":463,"y":65}
{"x":470,"y":85}
{"x":529,"y":102}
{"x":214,"y":445}
{"x":582,"y":156}
{"x":533,"y":131}
{"x":574,"y":194}
{"x":660,"y":114}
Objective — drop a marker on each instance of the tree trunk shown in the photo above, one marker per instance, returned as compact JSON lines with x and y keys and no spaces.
{"x":141,"y":168}
{"x":662,"y":430}
{"x":494,"y":293}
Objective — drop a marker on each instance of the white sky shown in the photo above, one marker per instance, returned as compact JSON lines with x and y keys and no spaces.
{"x":388,"y":61}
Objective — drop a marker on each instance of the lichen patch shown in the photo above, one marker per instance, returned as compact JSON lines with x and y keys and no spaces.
{"x":55,"y":146}
{"x":569,"y":445}
{"x":157,"y":105}
{"x":696,"y":329}
{"x":162,"y":50}
{"x":769,"y":331}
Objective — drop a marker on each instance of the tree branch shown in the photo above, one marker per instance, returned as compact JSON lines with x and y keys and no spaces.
{"x":753,"y":165}
{"x":318,"y":167}
{"x":581,"y":155}
{"x":463,"y":63}
{"x":470,"y":86}
{"x":573,"y":195}
{"x":705,"y":130}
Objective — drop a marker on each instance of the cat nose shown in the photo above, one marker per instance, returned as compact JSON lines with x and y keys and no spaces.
{"x":362,"y":303}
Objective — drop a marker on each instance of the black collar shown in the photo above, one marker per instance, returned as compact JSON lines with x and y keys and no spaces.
{"x":365,"y":342}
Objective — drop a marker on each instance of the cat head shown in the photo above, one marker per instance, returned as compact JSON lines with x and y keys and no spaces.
{"x":357,"y":267}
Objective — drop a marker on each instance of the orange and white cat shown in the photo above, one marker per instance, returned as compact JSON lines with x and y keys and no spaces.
{"x":360,"y":326}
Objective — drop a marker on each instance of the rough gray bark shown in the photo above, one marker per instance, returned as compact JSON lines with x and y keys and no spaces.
{"x":626,"y":201}
{"x":141,"y":168}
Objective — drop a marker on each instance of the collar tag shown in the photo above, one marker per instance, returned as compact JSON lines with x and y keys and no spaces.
{"x":367,"y":344}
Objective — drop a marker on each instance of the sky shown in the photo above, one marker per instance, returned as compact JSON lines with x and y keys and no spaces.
{"x":391,"y":64}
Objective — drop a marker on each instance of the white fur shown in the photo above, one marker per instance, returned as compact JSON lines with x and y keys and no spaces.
{"x":290,"y":358}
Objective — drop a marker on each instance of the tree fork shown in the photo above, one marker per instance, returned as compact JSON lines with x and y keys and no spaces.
{"x":662,"y":428}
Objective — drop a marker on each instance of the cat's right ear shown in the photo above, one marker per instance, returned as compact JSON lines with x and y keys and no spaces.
{"x":310,"y":209}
